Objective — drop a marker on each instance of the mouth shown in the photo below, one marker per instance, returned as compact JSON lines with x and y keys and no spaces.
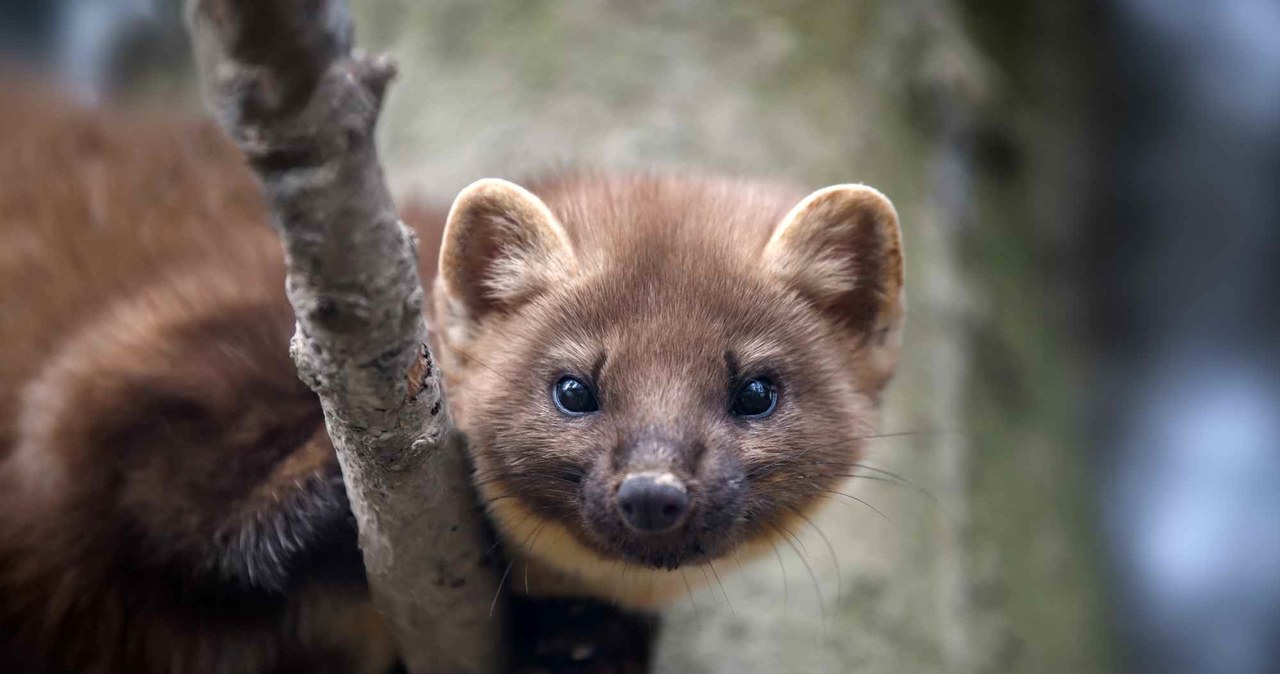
{"x":693,"y":542}
{"x":670,"y":559}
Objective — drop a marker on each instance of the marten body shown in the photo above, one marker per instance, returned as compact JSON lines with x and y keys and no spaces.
{"x":169,"y":500}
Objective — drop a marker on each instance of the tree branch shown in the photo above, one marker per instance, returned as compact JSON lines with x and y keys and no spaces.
{"x":283,"y":80}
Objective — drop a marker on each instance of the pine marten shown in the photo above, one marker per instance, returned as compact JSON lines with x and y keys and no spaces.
{"x":652,"y":373}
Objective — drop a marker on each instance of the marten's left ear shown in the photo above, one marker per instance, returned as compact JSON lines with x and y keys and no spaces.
{"x":841,"y":249}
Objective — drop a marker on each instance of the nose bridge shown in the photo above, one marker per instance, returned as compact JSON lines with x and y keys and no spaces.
{"x":662,"y":407}
{"x":654,"y":450}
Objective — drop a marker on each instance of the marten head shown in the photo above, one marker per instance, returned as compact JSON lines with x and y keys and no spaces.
{"x":665,"y":369}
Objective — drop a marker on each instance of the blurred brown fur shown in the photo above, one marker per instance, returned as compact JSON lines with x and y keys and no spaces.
{"x":165,"y":479}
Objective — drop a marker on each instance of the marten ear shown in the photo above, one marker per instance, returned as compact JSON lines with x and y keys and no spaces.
{"x":841,"y":249}
{"x":502,"y":246}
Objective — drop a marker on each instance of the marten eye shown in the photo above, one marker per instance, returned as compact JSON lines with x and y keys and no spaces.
{"x":755,"y":399}
{"x":574,"y":397}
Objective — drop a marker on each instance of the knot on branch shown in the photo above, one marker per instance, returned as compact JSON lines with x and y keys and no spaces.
{"x":419,"y":377}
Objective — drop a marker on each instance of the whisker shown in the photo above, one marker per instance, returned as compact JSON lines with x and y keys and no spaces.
{"x":795,"y":457}
{"x":614,"y":600}
{"x":817,"y":587}
{"x":901,"y":485}
{"x":855,"y":498}
{"x":885,"y":476}
{"x":497,"y":593}
{"x":828,"y":491}
{"x":784,"y":479}
{"x":622,"y":579}
{"x":786,"y":590}
{"x":887,"y":473}
{"x":560,"y":535}
{"x":533,"y":509}
{"x":835,"y":561}
{"x":697,"y":615}
{"x":706,"y":580}
{"x":874,"y":478}
{"x":529,"y":555}
{"x":479,"y":362}
{"x":496,"y":476}
{"x":499,"y":541}
{"x":722,"y":590}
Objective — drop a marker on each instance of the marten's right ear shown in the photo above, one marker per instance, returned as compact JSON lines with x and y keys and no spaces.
{"x":502,"y":246}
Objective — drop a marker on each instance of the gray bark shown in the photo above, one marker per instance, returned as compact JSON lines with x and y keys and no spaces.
{"x":284,"y":81}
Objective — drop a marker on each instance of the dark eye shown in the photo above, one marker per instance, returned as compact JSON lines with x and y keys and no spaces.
{"x":755,"y":399}
{"x":574,"y":397}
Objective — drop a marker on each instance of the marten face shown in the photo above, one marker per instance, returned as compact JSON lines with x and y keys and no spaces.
{"x":664,"y":370}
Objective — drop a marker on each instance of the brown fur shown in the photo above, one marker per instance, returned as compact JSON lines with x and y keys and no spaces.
{"x":169,"y":500}
{"x":165,"y":479}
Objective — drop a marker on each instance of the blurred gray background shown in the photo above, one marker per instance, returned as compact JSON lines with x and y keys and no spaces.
{"x":1090,"y":396}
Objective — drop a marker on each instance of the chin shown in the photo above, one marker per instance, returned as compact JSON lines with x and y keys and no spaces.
{"x":566,"y":561}
{"x":671,"y":552}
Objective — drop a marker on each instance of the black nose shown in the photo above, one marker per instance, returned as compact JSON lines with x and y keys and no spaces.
{"x":653,"y":502}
